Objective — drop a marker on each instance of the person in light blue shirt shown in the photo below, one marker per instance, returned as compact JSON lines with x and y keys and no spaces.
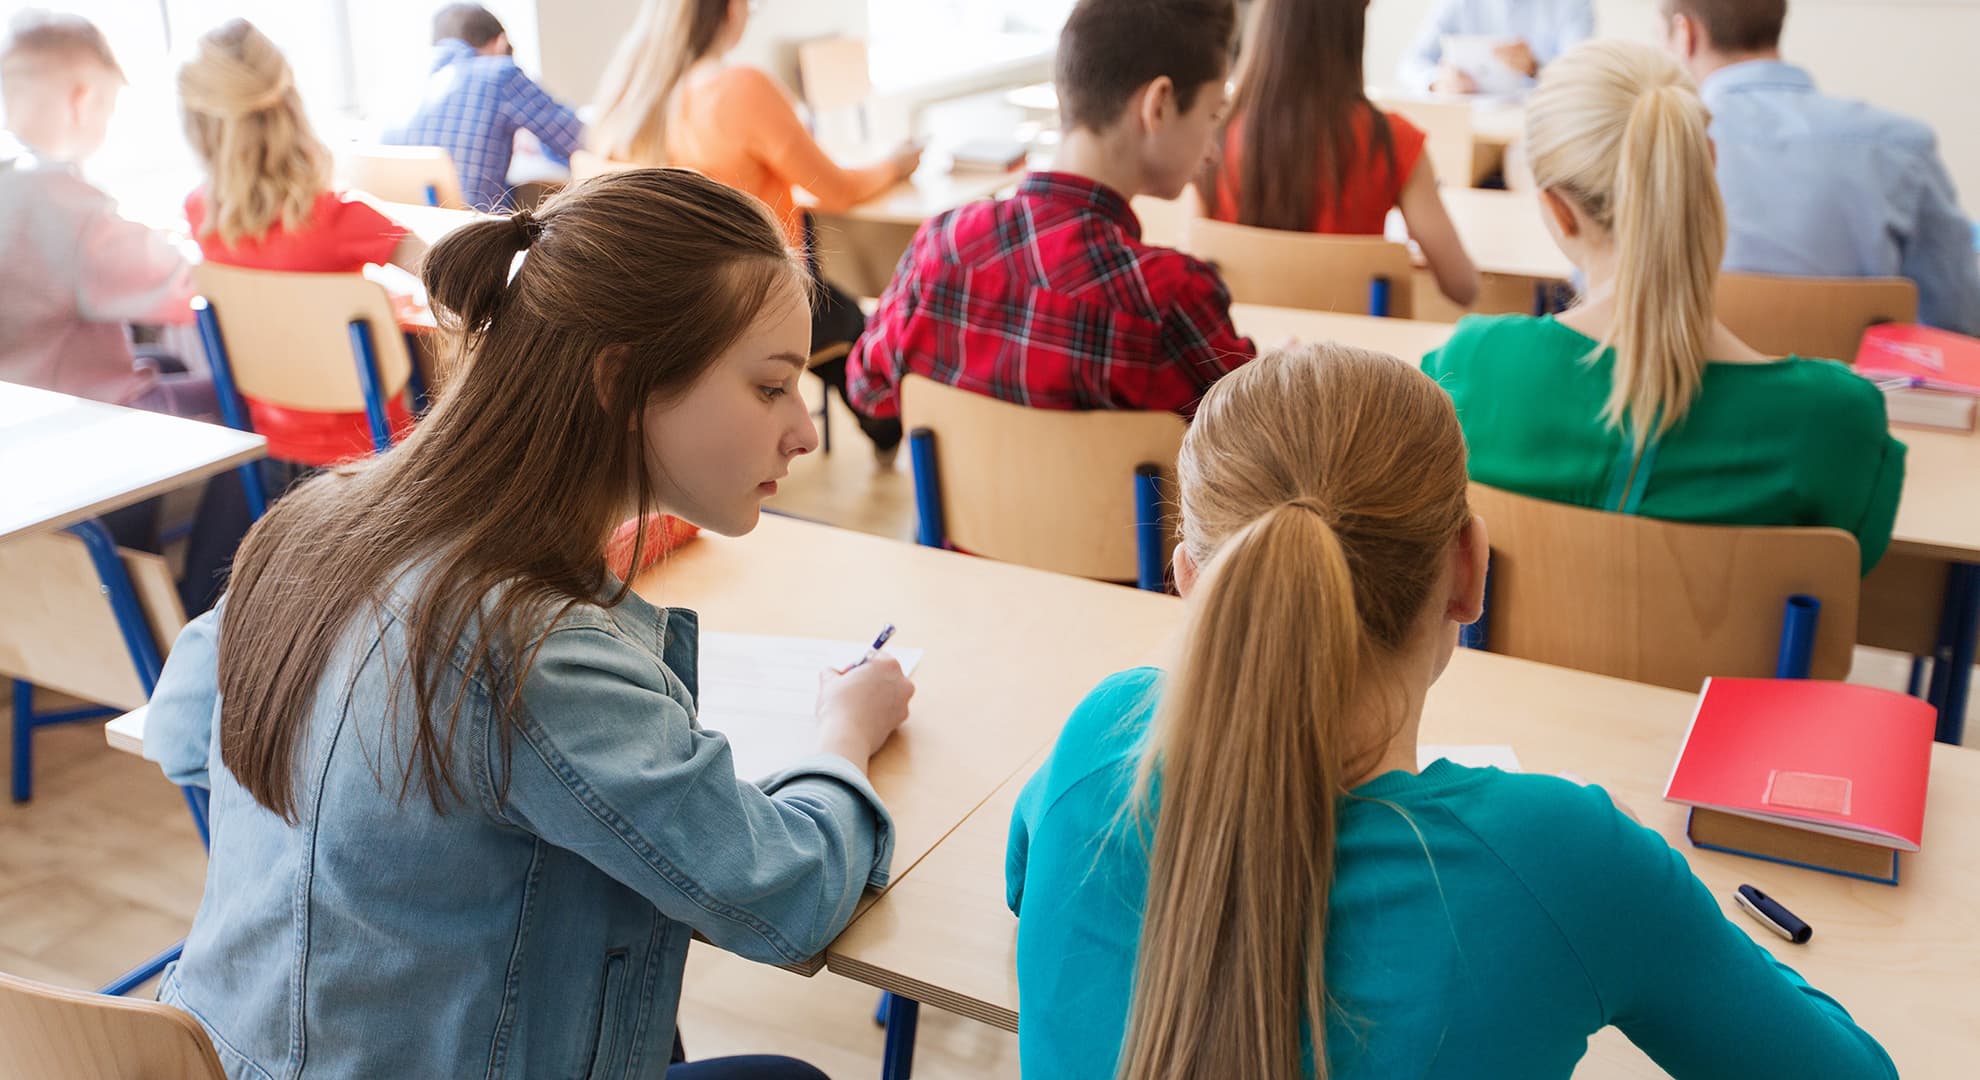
{"x":1235,"y":867}
{"x":1544,"y":29}
{"x":1819,"y":186}
{"x":464,"y":817}
{"x":477,"y":99}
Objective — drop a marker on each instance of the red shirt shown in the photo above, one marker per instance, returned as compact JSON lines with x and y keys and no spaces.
{"x":1373,"y":186}
{"x":1049,"y":299}
{"x":341,"y":236}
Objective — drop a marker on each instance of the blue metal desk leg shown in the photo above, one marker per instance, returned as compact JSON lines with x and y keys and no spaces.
{"x":1952,"y":667}
{"x":902,"y":1016}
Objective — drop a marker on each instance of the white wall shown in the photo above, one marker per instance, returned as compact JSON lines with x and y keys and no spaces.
{"x":1913,"y":56}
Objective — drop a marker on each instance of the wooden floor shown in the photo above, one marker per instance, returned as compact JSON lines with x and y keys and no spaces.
{"x":103,"y":868}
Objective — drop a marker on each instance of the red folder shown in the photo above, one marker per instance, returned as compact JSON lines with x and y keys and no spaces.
{"x":1832,"y":758}
{"x":1923,"y":357}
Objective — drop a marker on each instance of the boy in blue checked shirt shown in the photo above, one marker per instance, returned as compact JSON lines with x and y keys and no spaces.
{"x":1049,"y":298}
{"x":476,"y":101}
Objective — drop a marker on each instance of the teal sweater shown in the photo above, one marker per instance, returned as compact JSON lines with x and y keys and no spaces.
{"x":1483,"y":925}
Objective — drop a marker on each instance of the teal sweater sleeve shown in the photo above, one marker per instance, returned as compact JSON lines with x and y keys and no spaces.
{"x":1688,"y":987}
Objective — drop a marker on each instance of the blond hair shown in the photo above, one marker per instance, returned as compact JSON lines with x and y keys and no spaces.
{"x":1321,"y":487}
{"x":666,"y":40}
{"x":1617,"y":129}
{"x":245,"y":120}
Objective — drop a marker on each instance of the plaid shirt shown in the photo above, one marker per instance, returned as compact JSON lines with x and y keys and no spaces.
{"x":1049,"y":299}
{"x":473,"y":106}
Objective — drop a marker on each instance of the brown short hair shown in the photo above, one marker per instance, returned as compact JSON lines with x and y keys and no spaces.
{"x":1111,"y":48}
{"x":1734,"y":26}
{"x":39,"y":41}
{"x":471,"y":23}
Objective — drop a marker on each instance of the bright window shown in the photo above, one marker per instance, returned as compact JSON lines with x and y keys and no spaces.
{"x":911,"y":42}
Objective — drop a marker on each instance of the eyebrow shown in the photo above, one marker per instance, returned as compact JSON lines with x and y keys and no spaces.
{"x":791,"y":358}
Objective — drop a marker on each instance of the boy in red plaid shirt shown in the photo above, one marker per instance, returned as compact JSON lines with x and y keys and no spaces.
{"x":1049,"y":298}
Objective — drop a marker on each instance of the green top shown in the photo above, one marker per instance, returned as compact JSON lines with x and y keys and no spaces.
{"x":1482,"y":925}
{"x":1791,"y":442}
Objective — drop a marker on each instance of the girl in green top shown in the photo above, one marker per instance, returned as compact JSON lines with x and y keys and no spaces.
{"x":1638,"y":399}
{"x":1249,"y":877}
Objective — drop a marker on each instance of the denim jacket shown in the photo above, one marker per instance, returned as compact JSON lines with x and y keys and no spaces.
{"x":536,"y":928}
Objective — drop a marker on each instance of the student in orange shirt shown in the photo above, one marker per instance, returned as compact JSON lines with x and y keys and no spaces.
{"x":268,"y":204}
{"x":1305,"y":150}
{"x":668,"y":98}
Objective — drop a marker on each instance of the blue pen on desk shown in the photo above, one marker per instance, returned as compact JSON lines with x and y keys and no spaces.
{"x":879,"y":642}
{"x":1772,"y":915}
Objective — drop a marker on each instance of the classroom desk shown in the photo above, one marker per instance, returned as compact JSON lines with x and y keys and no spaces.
{"x":1900,"y":959}
{"x":429,"y":223}
{"x":930,"y":191}
{"x":1503,"y":234}
{"x":66,"y":459}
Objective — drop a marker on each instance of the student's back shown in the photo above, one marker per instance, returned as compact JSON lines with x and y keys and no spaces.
{"x":1638,"y":399}
{"x":1305,"y":150}
{"x":1236,"y":866}
{"x":1049,"y":298}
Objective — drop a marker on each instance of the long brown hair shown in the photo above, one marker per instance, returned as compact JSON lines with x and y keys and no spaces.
{"x":1300,"y":95}
{"x":1616,"y":128}
{"x":1321,"y":487}
{"x":666,"y":40}
{"x":245,"y":120}
{"x":504,"y":495}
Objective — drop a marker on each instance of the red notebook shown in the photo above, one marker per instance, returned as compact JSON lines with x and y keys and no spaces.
{"x":1832,"y":758}
{"x":1925,"y":358}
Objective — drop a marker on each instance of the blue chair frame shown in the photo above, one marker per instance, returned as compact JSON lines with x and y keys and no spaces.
{"x":1151,"y":568}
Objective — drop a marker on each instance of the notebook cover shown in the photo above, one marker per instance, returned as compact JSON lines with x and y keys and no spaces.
{"x":1933,"y":359}
{"x":1840,"y":759}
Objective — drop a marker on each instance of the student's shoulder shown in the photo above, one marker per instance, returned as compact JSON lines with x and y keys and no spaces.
{"x":1832,"y":390}
{"x":1481,"y":343}
{"x":744,"y":84}
{"x":1545,"y":827}
{"x":1106,"y":730}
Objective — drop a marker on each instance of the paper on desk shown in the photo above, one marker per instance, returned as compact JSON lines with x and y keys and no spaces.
{"x":762,"y":692}
{"x":1474,"y":757}
{"x":1476,"y":55}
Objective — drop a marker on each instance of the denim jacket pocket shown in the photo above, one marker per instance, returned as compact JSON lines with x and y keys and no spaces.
{"x":611,"y":1004}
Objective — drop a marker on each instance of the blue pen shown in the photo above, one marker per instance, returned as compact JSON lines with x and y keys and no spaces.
{"x":879,"y":642}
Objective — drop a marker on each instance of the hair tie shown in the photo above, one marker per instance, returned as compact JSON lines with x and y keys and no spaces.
{"x":527,"y":227}
{"x":1312,"y":506}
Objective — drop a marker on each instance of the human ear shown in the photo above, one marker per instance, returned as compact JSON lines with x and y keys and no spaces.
{"x":1471,"y":559}
{"x":1557,"y":206}
{"x":1184,"y":569}
{"x":1156,"y":101}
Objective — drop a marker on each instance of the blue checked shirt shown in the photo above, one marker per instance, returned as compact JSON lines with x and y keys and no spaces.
{"x":473,"y":106}
{"x":1828,"y":187}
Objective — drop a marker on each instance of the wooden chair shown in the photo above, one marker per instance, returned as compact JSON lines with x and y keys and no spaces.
{"x":1164,"y":221}
{"x":1360,"y":275}
{"x":1072,"y":492}
{"x":833,"y":73}
{"x":321,"y":342}
{"x":1657,"y":601}
{"x":1809,"y":316}
{"x":421,"y":175}
{"x":1447,"y":135}
{"x":53,"y":1033}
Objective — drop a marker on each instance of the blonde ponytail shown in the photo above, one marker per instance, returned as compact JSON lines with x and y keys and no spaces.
{"x":1321,"y":487}
{"x":1617,"y":128}
{"x":245,"y":120}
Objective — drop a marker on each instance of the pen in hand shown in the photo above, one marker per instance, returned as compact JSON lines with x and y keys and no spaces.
{"x":879,"y":642}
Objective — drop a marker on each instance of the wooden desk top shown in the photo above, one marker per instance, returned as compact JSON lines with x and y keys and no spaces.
{"x":1270,"y":327}
{"x":1900,"y":959}
{"x":65,"y":459}
{"x":1010,"y":651}
{"x":930,"y":191}
{"x":429,"y":223}
{"x":1503,"y":233}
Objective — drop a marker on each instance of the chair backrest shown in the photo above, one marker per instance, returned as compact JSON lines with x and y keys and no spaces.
{"x":1813,"y":317}
{"x":1307,"y":270}
{"x":57,"y":1034}
{"x":832,"y":72}
{"x":60,"y":630}
{"x":288,"y":335}
{"x":404,"y":173}
{"x":1042,"y":487}
{"x":1447,"y":134}
{"x":1163,"y":221}
{"x":1658,"y":601}
{"x":585,"y":165}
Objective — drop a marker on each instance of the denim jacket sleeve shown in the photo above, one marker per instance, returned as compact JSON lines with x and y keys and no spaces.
{"x":178,"y":725}
{"x":608,"y":764}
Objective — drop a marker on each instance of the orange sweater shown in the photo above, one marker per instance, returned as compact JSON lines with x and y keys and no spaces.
{"x":737,"y":126}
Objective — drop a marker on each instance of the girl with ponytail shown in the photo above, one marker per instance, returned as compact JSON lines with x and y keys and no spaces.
{"x":1236,"y":869}
{"x":464,"y":822}
{"x":1638,"y":400}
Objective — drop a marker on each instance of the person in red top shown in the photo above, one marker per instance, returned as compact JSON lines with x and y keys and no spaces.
{"x":1306,"y":151}
{"x":268,"y":205}
{"x":1049,"y":298}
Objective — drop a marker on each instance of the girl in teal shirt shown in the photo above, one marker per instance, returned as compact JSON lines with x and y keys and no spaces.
{"x":1638,"y":399}
{"x":1235,"y":869}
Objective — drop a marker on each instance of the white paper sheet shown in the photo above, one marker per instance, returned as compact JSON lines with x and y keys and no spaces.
{"x":762,"y":692}
{"x":1475,"y":757}
{"x":1476,"y":56}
